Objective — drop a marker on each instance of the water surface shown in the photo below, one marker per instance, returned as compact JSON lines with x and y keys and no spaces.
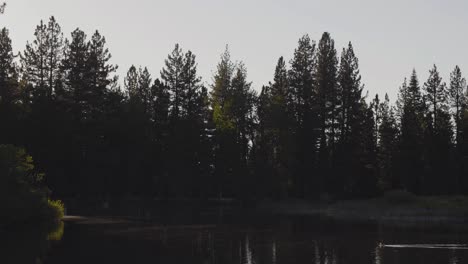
{"x":240,"y":239}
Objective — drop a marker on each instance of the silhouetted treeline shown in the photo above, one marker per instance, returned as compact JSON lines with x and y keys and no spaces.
{"x":310,"y":132}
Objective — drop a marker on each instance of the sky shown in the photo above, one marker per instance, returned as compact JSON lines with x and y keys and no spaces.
{"x":390,"y":38}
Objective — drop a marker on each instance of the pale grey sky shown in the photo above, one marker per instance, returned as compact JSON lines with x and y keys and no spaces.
{"x":390,"y":37}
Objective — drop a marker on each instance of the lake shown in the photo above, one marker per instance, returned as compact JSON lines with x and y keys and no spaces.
{"x":231,"y":238}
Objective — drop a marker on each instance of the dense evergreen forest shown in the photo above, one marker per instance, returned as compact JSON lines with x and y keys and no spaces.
{"x":311,"y":132}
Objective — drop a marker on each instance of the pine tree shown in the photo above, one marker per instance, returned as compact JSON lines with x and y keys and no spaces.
{"x":327,"y":91}
{"x":55,"y":46}
{"x":42,"y":59}
{"x":387,"y":146}
{"x":365,"y":179}
{"x":171,"y":75}
{"x":99,"y":101}
{"x":144,"y":90}
{"x":131,"y":82}
{"x":232,"y":103}
{"x":264,"y":146}
{"x":301,"y":76}
{"x":8,"y":72}
{"x":281,"y":118}
{"x":436,"y":94}
{"x":458,"y":99}
{"x":194,"y":104}
{"x":310,"y":131}
{"x":100,"y":73}
{"x":464,"y":154}
{"x":140,"y":130}
{"x":282,"y":105}
{"x":99,"y":77}
{"x":458,"y":102}
{"x":33,"y":60}
{"x":7,"y":66}
{"x":222,"y":80}
{"x":42,"y":78}
{"x":302,"y":85}
{"x":350,"y":119}
{"x":242,"y":103}
{"x":351,"y":93}
{"x":411,"y":118}
{"x":192,"y":86}
{"x":75,"y":70}
{"x":160,"y":104}
{"x":438,"y":133}
{"x":204,"y":153}
{"x":9,"y":91}
{"x":68,"y":110}
{"x":224,"y":124}
{"x":187,"y":120}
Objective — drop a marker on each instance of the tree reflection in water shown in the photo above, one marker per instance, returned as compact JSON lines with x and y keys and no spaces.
{"x":93,"y":240}
{"x":29,"y":244}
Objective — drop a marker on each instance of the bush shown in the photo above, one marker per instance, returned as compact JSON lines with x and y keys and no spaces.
{"x":56,"y":209}
{"x":23,"y":197}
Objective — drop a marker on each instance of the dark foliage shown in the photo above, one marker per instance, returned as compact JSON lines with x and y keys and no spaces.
{"x":310,"y":133}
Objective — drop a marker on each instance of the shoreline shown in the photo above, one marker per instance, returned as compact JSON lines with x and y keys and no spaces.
{"x":393,"y":209}
{"x":420,"y":213}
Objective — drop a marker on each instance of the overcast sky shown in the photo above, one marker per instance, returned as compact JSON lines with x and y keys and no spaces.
{"x":390,"y":37}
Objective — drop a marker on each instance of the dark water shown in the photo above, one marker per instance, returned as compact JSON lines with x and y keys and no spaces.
{"x":240,"y":239}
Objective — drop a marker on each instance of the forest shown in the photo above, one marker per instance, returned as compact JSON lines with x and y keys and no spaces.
{"x":313,"y":131}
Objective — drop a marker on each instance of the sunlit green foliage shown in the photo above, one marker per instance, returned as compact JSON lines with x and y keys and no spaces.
{"x":22,"y":196}
{"x":57,"y":232}
{"x":221,"y":118}
{"x":232,"y":101}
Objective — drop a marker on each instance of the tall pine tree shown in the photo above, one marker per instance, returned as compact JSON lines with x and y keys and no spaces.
{"x":9,"y":92}
{"x":302,"y":83}
{"x":327,"y":101}
{"x":458,"y":102}
{"x":411,"y":117}
{"x":349,"y":119}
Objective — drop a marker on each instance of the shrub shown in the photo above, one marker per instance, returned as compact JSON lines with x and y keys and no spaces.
{"x":57,"y":232}
{"x":56,"y":209}
{"x":23,"y":197}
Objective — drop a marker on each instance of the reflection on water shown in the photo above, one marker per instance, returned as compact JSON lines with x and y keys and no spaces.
{"x":29,"y":244}
{"x":430,"y":246}
{"x":260,"y":241}
{"x":378,"y":255}
{"x":273,"y":252}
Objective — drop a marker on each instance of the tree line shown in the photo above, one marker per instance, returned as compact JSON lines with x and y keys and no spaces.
{"x":310,"y":132}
